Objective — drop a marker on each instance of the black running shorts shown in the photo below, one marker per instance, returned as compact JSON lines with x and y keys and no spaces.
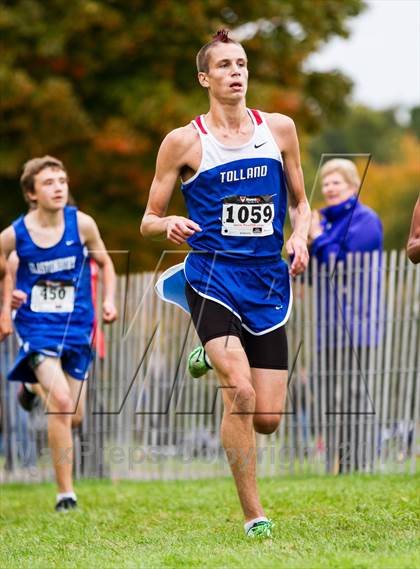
{"x":212,"y":320}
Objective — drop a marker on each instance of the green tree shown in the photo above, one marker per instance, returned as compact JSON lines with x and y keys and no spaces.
{"x":361,"y":130}
{"x":415,"y":121}
{"x":99,"y":82}
{"x":391,"y":182}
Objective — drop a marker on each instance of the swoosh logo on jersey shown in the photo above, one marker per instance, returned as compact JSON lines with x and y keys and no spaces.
{"x":68,"y":243}
{"x":262,"y":144}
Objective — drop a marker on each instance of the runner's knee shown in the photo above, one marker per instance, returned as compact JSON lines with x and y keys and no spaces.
{"x":63,"y":403}
{"x":76,"y":419}
{"x":244,"y":399}
{"x":266,"y":425}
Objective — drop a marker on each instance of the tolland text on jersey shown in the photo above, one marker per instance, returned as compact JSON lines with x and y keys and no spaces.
{"x":243,"y":174}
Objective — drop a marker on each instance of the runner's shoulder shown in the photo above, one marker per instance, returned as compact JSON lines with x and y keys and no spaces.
{"x":87,"y":226}
{"x":8,"y":240}
{"x":8,"y":235}
{"x":180,"y":140}
{"x":85,"y":222}
{"x":280,"y":123}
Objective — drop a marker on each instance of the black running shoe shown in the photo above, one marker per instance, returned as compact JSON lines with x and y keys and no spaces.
{"x":26,"y":398}
{"x":65,"y":504}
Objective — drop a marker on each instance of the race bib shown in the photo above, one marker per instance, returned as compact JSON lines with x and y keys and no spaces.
{"x":49,"y":296}
{"x":248,"y":216}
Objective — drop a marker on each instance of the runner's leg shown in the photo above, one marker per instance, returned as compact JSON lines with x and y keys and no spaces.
{"x":78,"y":389}
{"x":270,"y":386}
{"x":237,"y":431}
{"x":60,"y":407}
{"x":268,"y":358}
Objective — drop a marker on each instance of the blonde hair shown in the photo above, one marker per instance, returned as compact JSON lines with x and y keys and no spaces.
{"x":345,"y":167}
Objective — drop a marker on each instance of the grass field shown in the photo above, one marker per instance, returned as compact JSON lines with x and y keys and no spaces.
{"x":353,"y":521}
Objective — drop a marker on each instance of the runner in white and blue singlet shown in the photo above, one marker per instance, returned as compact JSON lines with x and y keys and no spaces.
{"x":242,"y":222}
{"x":237,"y":167}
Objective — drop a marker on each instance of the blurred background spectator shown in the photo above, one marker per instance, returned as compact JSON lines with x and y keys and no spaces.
{"x":344,"y":314}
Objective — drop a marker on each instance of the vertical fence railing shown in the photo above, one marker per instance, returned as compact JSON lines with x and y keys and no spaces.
{"x":353,"y":400}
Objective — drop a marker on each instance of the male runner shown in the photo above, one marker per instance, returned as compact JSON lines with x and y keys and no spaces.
{"x":413,"y":245}
{"x":236,"y":165}
{"x":54,"y":323}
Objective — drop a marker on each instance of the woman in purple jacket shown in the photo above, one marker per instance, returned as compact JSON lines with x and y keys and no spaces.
{"x":346,"y":227}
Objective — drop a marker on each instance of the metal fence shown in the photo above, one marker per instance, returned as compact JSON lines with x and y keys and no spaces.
{"x":353,"y":401}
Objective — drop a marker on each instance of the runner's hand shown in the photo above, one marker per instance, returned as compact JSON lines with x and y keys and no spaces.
{"x":296,"y":246}
{"x":109,"y":312}
{"x":18,"y":298}
{"x":179,"y":229}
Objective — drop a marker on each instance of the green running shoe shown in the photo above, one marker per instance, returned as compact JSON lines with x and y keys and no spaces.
{"x":198,"y":362}
{"x":261,"y":529}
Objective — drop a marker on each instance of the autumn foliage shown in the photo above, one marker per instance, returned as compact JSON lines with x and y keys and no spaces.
{"x":98,"y":83}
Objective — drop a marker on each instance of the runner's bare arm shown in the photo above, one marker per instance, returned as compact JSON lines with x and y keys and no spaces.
{"x":6,"y":297}
{"x":413,"y":245}
{"x":3,"y":266}
{"x":169,"y":163}
{"x":19,"y":297}
{"x":8,"y":240}
{"x":285,"y":134}
{"x":90,"y":235}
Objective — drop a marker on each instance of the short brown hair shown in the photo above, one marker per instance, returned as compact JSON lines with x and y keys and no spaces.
{"x":33,"y":167}
{"x":202,"y":59}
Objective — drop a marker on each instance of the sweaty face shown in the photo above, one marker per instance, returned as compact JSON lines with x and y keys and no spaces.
{"x":50,"y":189}
{"x":227,"y":77}
{"x":336,"y":189}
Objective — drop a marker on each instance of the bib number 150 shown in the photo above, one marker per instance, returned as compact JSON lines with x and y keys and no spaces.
{"x":53,"y":293}
{"x":49,"y":296}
